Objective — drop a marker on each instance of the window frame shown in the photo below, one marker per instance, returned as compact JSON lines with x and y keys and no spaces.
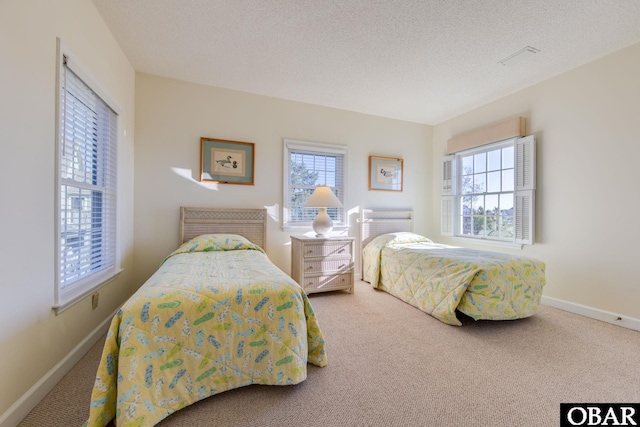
{"x":523,"y":192}
{"x":66,"y":295}
{"x":320,"y":149}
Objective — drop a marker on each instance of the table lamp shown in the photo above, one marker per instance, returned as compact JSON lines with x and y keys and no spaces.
{"x":323,"y":198}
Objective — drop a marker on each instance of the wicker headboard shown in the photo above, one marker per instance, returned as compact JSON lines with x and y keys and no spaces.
{"x":376,"y":222}
{"x":249,"y":223}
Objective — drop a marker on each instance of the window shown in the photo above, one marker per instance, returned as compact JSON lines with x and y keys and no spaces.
{"x":488,"y":192}
{"x":86,"y":188}
{"x":307,"y":165}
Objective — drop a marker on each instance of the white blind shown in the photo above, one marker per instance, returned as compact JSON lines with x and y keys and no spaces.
{"x":447,"y":176}
{"x":524,"y":217}
{"x":87,"y":178}
{"x":526,"y":163}
{"x":308,"y":166}
{"x":525,"y":189}
{"x":446,"y":215}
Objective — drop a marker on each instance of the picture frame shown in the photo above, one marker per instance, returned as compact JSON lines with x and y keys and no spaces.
{"x":385,"y":173}
{"x":227,"y":162}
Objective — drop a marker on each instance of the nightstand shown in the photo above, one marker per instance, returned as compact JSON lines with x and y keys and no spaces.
{"x":321,"y":264}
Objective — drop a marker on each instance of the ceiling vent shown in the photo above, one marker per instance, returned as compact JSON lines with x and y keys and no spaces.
{"x":519,"y":56}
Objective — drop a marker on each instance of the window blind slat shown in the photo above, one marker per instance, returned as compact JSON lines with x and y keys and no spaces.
{"x":525,"y":163}
{"x":446,"y":215}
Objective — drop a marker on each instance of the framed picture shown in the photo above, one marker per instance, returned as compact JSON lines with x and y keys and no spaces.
{"x":385,"y":173}
{"x":226,"y":162}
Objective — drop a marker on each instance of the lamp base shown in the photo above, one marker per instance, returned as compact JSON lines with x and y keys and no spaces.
{"x":322,"y":224}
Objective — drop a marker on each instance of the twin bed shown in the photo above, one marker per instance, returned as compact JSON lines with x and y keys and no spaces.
{"x":442,"y":280}
{"x":218,"y":315}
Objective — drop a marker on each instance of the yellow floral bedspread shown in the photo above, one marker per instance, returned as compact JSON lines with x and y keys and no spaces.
{"x":217,"y":315}
{"x":440,"y":279}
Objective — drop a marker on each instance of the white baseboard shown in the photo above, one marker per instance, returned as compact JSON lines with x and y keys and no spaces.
{"x":594,"y":313}
{"x":19,"y":410}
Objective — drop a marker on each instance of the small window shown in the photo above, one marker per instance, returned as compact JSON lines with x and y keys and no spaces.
{"x":488,"y":192}
{"x":306,"y":166}
{"x":86,"y":190}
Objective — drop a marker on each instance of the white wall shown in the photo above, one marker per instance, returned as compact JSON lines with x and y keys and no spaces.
{"x":587,"y":128}
{"x":33,"y":339}
{"x":172,"y":116}
{"x":586,"y":123}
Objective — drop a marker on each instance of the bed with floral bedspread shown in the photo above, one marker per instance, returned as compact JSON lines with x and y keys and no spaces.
{"x":216,"y":315}
{"x":440,"y":279}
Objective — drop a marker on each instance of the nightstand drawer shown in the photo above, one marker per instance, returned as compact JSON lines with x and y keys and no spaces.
{"x":327,"y":266}
{"x":327,"y":249}
{"x":327,"y":283}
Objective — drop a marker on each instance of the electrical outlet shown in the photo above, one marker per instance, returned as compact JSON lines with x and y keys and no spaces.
{"x":94,"y":300}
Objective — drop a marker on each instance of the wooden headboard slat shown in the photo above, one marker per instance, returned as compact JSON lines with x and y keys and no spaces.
{"x":249,"y":223}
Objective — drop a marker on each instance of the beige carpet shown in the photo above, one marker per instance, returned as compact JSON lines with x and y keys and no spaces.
{"x":392,"y":365}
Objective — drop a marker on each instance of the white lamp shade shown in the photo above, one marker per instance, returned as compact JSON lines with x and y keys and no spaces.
{"x":323,"y":198}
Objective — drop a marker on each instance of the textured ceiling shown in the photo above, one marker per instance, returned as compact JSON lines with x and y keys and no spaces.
{"x":423,"y":61}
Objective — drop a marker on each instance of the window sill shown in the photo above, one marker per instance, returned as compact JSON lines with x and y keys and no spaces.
{"x":309,"y":228}
{"x":486,"y":242}
{"x":70,"y":300}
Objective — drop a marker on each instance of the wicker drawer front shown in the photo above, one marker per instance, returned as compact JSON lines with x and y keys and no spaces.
{"x":327,"y":283}
{"x":327,"y":266}
{"x":321,"y":264}
{"x":327,"y":249}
